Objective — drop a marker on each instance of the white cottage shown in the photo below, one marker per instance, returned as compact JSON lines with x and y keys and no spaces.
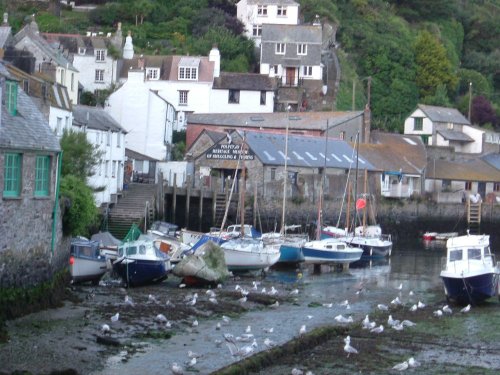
{"x":254,"y":13}
{"x":109,"y":138}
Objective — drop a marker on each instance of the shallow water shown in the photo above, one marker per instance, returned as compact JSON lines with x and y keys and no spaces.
{"x":411,"y":264}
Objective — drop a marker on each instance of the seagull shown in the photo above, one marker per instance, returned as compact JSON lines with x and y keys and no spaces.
{"x":294,"y":292}
{"x":182,"y":286}
{"x":296,"y":371}
{"x":168,"y":303}
{"x":273,"y":291}
{"x":195,"y":323}
{"x":342,"y":319}
{"x":309,"y":317}
{"x":239,"y":352}
{"x":398,"y":327}
{"x":242,"y":300}
{"x":447,"y":310}
{"x":420,"y":305}
{"x":269,"y":330}
{"x":465,"y":309}
{"x":176,"y":369}
{"x":329,"y":305}
{"x":161,"y":318}
{"x":382,"y":307}
{"x":129,"y":301}
{"x":413,"y":363}
{"x":192,"y":362}
{"x":401,"y":366}
{"x":348,"y":348}
{"x":210,"y":293}
{"x":275,"y":304}
{"x":413,"y":308}
{"x":400,"y":287}
{"x":263,"y":291}
{"x":438,"y":313}
{"x":367,"y":324}
{"x":248,"y":329}
{"x":105,"y":328}
{"x":152,"y":298}
{"x":411,"y":293}
{"x":115,"y":317}
{"x":226,"y":319}
{"x":378,"y":329}
{"x":302,"y":330}
{"x":396,"y":301}
{"x":255,"y":285}
{"x":192,"y":302}
{"x":217,"y":326}
{"x":192,"y":354}
{"x":269,"y":343}
{"x":213,"y":300}
{"x":392,"y":322}
{"x":408,"y":323}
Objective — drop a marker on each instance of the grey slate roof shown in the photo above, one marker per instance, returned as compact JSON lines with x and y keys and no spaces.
{"x":28,"y":129}
{"x":304,"y":151}
{"x":5,"y":35}
{"x":443,"y":114}
{"x":272,"y":2}
{"x":131,"y":154}
{"x":453,"y":135}
{"x":97,"y":119}
{"x":244,"y":81}
{"x":291,"y":33}
{"x":493,"y":160}
{"x":295,"y":120}
{"x":72,"y":42}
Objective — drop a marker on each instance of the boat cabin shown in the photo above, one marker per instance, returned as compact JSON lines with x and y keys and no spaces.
{"x":463,"y":255}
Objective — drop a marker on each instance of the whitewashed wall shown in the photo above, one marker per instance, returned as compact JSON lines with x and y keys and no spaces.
{"x":87,"y":66}
{"x":249,"y":102}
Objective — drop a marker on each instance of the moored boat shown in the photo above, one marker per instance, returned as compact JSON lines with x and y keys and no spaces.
{"x":469,"y":271}
{"x":140,"y":262}
{"x":330,"y":250}
{"x":373,"y":247}
{"x":429,"y":236}
{"x":86,"y":263}
{"x":248,"y":254}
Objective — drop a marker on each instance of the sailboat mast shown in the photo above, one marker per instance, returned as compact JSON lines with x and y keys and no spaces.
{"x":364,"y":209}
{"x":356,"y":183}
{"x":243,"y":183}
{"x":285,"y":178}
{"x":321,"y":190}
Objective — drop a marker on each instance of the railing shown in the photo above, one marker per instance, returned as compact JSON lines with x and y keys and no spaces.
{"x":291,"y":83}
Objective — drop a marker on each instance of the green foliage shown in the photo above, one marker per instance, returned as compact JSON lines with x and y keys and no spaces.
{"x":440,"y":97}
{"x":80,"y":213}
{"x":178,"y":151}
{"x":88,"y":98}
{"x":79,"y":155}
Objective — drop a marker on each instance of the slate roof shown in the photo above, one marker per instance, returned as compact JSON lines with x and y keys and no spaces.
{"x":244,"y":81}
{"x":304,"y":151}
{"x":131,"y":154}
{"x":5,"y":35}
{"x":443,"y":114}
{"x":474,"y":170}
{"x":72,"y":42}
{"x":277,"y":120}
{"x":31,"y":31}
{"x":309,"y":34}
{"x":493,"y":160}
{"x":98,"y":119}
{"x":395,"y":152}
{"x":455,"y":136}
{"x":272,"y":2}
{"x":169,"y":65}
{"x":28,"y":129}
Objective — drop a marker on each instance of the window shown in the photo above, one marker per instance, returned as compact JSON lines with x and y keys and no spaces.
{"x":12,"y":175}
{"x":118,"y":140}
{"x":257,"y":30}
{"x":468,"y":185}
{"x":62,"y":78}
{"x":418,"y":123}
{"x":26,"y":86}
{"x":11,"y":97}
{"x":301,"y":49}
{"x":456,"y":255}
{"x":113,"y":171}
{"x":108,"y":138}
{"x":183,"y":97}
{"x":99,"y":75}
{"x":281,"y":11}
{"x":276,"y":69}
{"x":66,"y":124}
{"x":262,"y":10}
{"x":446,"y":185}
{"x":100,"y":54}
{"x":262,"y":97}
{"x":59,"y":126}
{"x":496,"y":186}
{"x":307,"y":71}
{"x":234,"y":96}
{"x":280,"y":48}
{"x":186,"y":73}
{"x":273,"y":174}
{"x":106,"y":170}
{"x":81,"y":51}
{"x":42,"y":174}
{"x":153,"y":73}
{"x":474,"y":254}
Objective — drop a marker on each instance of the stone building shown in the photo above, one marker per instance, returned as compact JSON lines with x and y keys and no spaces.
{"x":31,"y":249}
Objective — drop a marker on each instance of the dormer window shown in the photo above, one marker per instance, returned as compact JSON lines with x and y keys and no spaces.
{"x":81,"y":51}
{"x":262,"y":10}
{"x":188,"y":69}
{"x":153,"y":73}
{"x":11,"y":96}
{"x":100,"y":54}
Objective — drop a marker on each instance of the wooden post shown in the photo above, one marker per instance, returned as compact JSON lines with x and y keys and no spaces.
{"x":255,"y":206}
{"x":214,"y":206}
{"x":174,"y":198}
{"x":200,"y":213}
{"x":188,"y":199}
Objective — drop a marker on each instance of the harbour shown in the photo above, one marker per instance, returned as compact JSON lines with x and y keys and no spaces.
{"x":145,"y":345}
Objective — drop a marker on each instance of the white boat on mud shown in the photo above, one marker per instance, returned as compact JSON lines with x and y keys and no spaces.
{"x":248,"y":254}
{"x":86,"y":263}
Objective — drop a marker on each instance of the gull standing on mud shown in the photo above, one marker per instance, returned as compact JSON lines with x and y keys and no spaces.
{"x":302,"y":330}
{"x":465,"y":309}
{"x":446,"y":309}
{"x":115,"y":317}
{"x":176,"y":369}
{"x":348,"y":348}
{"x":401,"y":366}
{"x":378,"y":329}
{"x":413,"y":363}
{"x":382,"y":307}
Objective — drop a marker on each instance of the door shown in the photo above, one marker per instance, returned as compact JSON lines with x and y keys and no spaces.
{"x":481,"y":189}
{"x":290,"y":76}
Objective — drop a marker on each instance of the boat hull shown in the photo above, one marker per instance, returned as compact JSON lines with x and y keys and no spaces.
{"x":136,"y":272}
{"x":330,"y":251}
{"x":84,"y":270}
{"x":473,"y":290}
{"x":249,"y":255}
{"x":373,"y":248}
{"x":290,"y":254}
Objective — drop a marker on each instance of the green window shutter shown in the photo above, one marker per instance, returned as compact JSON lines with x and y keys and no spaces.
{"x":42,"y":176}
{"x":11,"y":97}
{"x":12,"y":173}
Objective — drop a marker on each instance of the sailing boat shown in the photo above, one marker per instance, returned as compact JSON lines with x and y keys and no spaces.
{"x":290,"y":247}
{"x":246,"y":253}
{"x":330,"y":250}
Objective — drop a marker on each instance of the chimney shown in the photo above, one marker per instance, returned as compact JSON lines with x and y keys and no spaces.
{"x":367,"y":119}
{"x":128,"y":48}
{"x":5,"y":19}
{"x":316,"y":21}
{"x":140,"y":62}
{"x":214,"y":56}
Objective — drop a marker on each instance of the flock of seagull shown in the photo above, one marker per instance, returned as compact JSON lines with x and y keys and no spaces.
{"x":246,"y":343}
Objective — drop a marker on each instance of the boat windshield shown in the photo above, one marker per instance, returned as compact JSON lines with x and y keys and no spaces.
{"x":456,"y":255}
{"x":474,"y":254}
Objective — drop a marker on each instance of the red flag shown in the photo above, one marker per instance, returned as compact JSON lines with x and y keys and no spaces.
{"x":360,"y":203}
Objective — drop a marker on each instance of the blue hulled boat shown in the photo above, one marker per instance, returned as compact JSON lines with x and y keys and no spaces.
{"x":330,"y":250}
{"x":140,"y":262}
{"x":469,"y":273}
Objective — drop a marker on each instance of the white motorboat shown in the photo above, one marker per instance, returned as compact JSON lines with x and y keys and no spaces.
{"x":247,"y":254}
{"x":86,"y":263}
{"x":330,"y":250}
